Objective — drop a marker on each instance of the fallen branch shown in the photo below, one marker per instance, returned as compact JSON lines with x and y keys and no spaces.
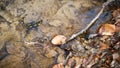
{"x":91,"y":23}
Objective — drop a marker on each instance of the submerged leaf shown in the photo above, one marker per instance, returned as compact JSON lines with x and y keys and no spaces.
{"x":107,"y":29}
{"x":60,"y":65}
{"x":103,"y":46}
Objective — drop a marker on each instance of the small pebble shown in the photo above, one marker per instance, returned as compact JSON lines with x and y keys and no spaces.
{"x":115,"y":55}
{"x":51,"y":53}
{"x":58,"y":40}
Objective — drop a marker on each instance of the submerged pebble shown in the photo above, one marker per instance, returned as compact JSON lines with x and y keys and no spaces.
{"x":58,"y":40}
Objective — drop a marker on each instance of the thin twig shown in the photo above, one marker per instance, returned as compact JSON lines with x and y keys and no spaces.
{"x":88,"y":26}
{"x":91,"y":23}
